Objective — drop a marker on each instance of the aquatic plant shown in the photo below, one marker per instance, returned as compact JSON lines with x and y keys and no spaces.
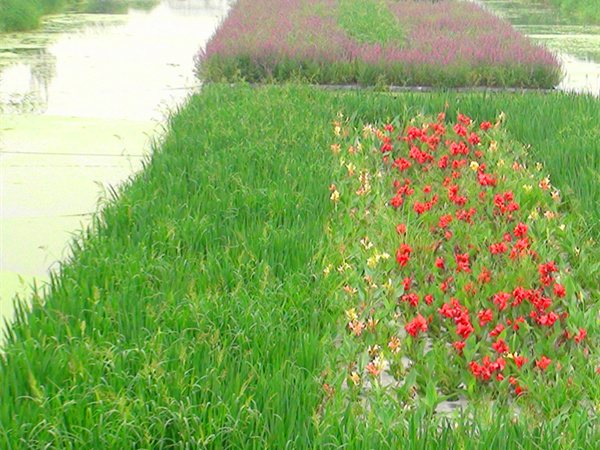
{"x":456,"y":268}
{"x":324,"y":41}
{"x":195,"y":311}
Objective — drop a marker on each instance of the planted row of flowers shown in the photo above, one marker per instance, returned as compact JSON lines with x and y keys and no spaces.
{"x":443,"y":43}
{"x":451,"y":265}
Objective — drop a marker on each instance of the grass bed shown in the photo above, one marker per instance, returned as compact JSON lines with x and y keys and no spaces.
{"x":585,"y":11}
{"x":408,"y":43}
{"x":194,"y":312}
{"x":459,"y":273}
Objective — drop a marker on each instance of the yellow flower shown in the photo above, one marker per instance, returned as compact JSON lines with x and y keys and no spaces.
{"x":556,"y":195}
{"x":337,"y":128}
{"x":335,"y":196}
{"x":366,"y":243}
{"x":351,"y":168}
{"x":355,"y":377}
{"x":374,"y":350}
{"x":351,"y":314}
{"x":335,"y":148}
{"x":372,"y":324}
{"x":527,"y":187}
{"x":500,"y":163}
{"x":474,"y":165}
{"x":344,"y":267}
{"x":327,"y":269}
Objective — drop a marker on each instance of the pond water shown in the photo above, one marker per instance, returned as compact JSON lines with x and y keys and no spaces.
{"x":577,"y":46}
{"x":81,"y":100}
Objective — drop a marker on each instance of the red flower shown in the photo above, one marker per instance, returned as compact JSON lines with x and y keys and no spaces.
{"x":402,"y":164}
{"x":485,"y":276}
{"x":520,"y":360}
{"x":474,"y":139}
{"x":459,"y":129}
{"x":546,"y":271}
{"x":518,"y":390}
{"x":497,"y":330}
{"x":403,"y":254}
{"x":581,"y":336}
{"x":485,"y":125}
{"x":500,"y":346}
{"x":445,"y":220}
{"x":501,"y":299}
{"x":543,"y":363}
{"x":439,"y":263}
{"x":459,"y":345}
{"x":462,"y":262}
{"x":485,"y":317}
{"x":518,"y":320}
{"x":559,"y":290}
{"x":413,"y":327}
{"x":464,"y":119}
{"x":500,"y":247}
{"x":411,"y":298}
{"x":520,"y":230}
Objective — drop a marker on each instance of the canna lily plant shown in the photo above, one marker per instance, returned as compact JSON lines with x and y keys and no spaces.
{"x":452,"y":263}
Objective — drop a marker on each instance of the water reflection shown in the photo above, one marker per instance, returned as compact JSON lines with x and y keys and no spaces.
{"x":108,"y":68}
{"x":577,"y":46}
{"x":192,"y":7}
{"x":38,"y":66}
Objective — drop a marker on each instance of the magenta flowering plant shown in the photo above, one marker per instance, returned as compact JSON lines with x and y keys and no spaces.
{"x":451,"y":263}
{"x":371,"y":42}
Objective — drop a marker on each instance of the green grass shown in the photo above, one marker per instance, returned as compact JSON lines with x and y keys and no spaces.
{"x":23,"y":15}
{"x":194,"y":310}
{"x":369,"y":22}
{"x":585,"y":11}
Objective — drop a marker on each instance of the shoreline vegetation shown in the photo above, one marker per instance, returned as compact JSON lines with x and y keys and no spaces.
{"x":585,"y":11}
{"x":298,"y":267}
{"x":23,"y":15}
{"x":195,"y":309}
{"x":440,"y":44}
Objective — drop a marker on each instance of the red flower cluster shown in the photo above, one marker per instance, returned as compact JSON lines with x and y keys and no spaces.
{"x":403,"y":254}
{"x":459,"y":209}
{"x":413,"y":327}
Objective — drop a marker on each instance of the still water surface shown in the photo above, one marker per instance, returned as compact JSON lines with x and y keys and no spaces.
{"x":577,"y":46}
{"x":80,"y":101}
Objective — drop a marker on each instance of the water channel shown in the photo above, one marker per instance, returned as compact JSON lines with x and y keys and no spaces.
{"x":81,"y":99}
{"x":577,"y":46}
